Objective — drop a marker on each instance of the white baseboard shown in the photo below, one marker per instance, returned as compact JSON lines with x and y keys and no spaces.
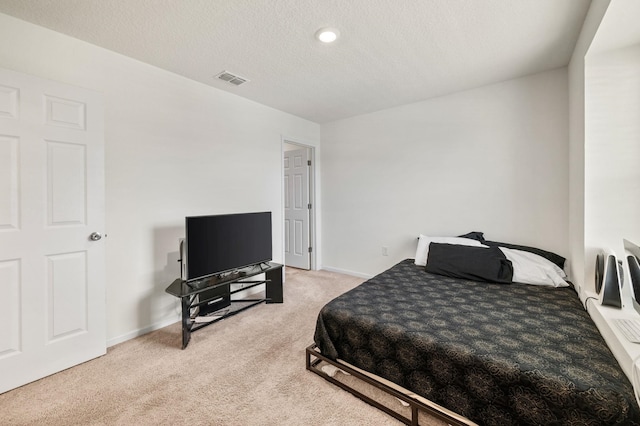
{"x":142,"y":331}
{"x":168,"y":321}
{"x":347,"y":272}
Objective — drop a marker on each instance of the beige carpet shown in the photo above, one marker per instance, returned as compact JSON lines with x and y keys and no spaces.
{"x":246,"y":370}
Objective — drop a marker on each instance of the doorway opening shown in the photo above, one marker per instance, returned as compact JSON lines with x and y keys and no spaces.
{"x":299,"y":205}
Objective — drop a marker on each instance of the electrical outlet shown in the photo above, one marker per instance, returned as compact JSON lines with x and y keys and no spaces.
{"x":385,"y":251}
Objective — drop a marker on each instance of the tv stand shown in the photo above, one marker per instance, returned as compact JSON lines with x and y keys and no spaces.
{"x":218,"y":291}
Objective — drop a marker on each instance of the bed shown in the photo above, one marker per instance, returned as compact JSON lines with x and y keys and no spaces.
{"x":495,"y":354}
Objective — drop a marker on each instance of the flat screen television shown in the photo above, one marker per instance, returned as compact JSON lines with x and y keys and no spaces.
{"x":222,"y":243}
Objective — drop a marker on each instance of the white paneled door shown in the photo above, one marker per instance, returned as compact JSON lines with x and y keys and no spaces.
{"x":52,"y":283}
{"x":296,"y":208}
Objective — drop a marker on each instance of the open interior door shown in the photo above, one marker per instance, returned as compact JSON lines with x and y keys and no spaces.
{"x":52,"y":277}
{"x":296,"y":209}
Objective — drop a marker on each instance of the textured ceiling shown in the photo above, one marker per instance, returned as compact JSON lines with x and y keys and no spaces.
{"x":391,"y":52}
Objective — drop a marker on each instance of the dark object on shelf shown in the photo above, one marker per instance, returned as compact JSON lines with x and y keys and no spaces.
{"x":215,"y":299}
{"x":609,"y":276}
{"x":193,"y":295}
{"x":632,"y":252}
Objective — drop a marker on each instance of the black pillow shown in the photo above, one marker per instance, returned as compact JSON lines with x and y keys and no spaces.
{"x":475,"y":235}
{"x":471,"y":263}
{"x":555,"y":258}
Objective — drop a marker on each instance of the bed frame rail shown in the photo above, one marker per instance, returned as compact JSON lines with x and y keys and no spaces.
{"x":314,"y":358}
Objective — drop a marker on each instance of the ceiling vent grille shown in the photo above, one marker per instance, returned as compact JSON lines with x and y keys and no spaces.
{"x":230,"y":78}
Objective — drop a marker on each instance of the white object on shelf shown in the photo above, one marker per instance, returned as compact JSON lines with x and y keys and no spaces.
{"x":603,"y":316}
{"x":630,"y":328}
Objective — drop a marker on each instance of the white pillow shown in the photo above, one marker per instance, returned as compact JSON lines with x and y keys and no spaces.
{"x":422,"y":252}
{"x":529,"y":268}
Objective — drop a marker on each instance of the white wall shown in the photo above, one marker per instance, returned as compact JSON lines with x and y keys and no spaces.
{"x":576,"y":145}
{"x":612,"y":151}
{"x":604,"y":82}
{"x":493,"y":159}
{"x":604,"y":106}
{"x":174,"y":147}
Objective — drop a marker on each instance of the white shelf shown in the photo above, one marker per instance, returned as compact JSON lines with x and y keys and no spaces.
{"x":624,"y":351}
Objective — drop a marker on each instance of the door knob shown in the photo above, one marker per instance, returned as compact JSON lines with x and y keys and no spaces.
{"x":95,"y":236}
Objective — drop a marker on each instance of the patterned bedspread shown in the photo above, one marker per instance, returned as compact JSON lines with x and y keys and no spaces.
{"x":496,"y":354}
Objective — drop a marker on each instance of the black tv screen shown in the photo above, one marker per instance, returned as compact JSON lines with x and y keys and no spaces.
{"x":221,"y":243}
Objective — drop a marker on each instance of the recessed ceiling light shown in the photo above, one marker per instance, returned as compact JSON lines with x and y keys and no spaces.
{"x":327,"y":35}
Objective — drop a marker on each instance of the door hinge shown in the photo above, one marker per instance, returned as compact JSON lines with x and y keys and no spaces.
{"x":309,"y":206}
{"x":308,"y":162}
{"x":310,"y":249}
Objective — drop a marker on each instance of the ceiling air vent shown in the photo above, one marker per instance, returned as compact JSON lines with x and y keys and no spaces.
{"x":234,"y":79}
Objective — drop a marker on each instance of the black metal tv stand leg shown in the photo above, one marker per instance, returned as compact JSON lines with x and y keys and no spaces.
{"x":186,"y":321}
{"x":273,"y":286}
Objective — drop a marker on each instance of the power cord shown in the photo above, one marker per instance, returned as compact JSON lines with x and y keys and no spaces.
{"x":586,"y":302}
{"x":635,"y":376}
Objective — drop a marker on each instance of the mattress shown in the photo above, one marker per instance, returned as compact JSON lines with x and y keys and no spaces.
{"x":494,"y":353}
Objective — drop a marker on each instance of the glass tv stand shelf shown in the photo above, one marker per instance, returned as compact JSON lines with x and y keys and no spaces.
{"x":222,"y":287}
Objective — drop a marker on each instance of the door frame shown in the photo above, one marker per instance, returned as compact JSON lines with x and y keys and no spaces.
{"x":313,"y":170}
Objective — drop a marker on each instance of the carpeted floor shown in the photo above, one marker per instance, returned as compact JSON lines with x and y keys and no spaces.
{"x":246,"y":370}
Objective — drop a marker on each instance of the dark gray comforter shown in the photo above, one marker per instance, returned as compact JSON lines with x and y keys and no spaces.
{"x":497,"y":354}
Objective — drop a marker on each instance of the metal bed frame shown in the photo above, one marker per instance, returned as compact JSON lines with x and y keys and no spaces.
{"x":415,"y":402}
